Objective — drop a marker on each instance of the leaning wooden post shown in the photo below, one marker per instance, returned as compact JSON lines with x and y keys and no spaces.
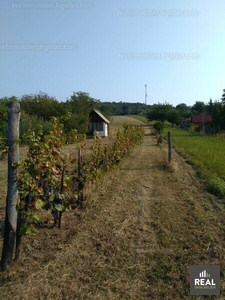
{"x":12,"y":191}
{"x":61,"y":192}
{"x":169,"y":146}
{"x":79,"y":163}
{"x":106,"y":157}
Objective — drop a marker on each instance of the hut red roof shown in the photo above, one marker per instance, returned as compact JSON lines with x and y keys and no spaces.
{"x":200,"y":119}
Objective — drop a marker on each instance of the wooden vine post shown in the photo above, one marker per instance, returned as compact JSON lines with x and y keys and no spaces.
{"x":61,"y":192}
{"x":12,"y":191}
{"x":80,"y":182}
{"x":79,"y":163}
{"x":169,"y":146}
{"x":106,"y":157}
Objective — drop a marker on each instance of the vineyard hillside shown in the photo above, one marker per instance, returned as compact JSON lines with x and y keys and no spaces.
{"x":138,"y":233}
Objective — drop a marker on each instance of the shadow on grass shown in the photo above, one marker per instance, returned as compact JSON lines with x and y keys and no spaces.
{"x":161,"y":166}
{"x":151,"y":145}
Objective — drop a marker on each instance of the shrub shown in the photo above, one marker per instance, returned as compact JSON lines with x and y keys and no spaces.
{"x":193,"y":128}
{"x":158,"y":126}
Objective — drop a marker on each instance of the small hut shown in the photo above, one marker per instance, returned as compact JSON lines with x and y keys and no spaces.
{"x":98,"y":123}
{"x":201,"y":119}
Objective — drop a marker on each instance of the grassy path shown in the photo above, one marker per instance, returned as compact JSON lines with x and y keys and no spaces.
{"x":141,"y":230}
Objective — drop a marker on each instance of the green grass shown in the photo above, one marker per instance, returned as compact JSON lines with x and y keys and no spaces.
{"x":205,"y":152}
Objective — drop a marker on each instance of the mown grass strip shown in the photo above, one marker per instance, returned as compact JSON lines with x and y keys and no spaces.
{"x":205,"y":152}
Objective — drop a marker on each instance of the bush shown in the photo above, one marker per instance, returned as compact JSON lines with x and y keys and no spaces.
{"x":193,"y":128}
{"x":158,"y":126}
{"x":32,"y":123}
{"x":160,"y":140}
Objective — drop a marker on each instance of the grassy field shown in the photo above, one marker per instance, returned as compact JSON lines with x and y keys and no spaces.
{"x":140,"y":118}
{"x":205,"y":152}
{"x":118,"y":121}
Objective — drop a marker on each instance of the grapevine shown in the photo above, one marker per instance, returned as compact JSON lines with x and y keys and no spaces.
{"x":45,"y":179}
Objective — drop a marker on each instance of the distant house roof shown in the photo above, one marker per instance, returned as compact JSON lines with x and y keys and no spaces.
{"x":200,"y":119}
{"x":99,"y":115}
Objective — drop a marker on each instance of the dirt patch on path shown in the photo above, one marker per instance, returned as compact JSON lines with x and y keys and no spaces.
{"x":141,"y":230}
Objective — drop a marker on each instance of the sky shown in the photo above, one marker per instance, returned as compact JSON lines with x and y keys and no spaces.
{"x":111,"y":49}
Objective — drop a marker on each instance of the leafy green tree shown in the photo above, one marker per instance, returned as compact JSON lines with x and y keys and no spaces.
{"x":77,"y":121}
{"x":121,"y":108}
{"x":210,"y":107}
{"x":124,"y":109}
{"x":4,"y":105}
{"x":41,"y":105}
{"x":223,"y":97}
{"x":3,"y":118}
{"x":199,"y":108}
{"x":32,"y":123}
{"x":80,"y":105}
{"x":218,"y":116}
{"x":158,"y":126}
{"x":183,"y":110}
{"x":81,"y":102}
{"x":174,"y":117}
{"x":7,"y":100}
{"x":159,"y":112}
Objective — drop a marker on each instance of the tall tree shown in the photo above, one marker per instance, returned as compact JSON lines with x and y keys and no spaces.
{"x":223,"y":97}
{"x":210,"y":107}
{"x":218,"y":116}
{"x":184,"y":110}
{"x":159,"y":112}
{"x":80,"y":105}
{"x":174,"y":117}
{"x":199,"y":108}
{"x":40,"y":105}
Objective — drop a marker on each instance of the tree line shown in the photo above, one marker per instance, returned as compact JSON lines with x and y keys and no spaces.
{"x":167,"y":112}
{"x":38,"y":109}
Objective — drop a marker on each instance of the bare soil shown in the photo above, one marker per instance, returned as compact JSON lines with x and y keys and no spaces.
{"x":139,"y":231}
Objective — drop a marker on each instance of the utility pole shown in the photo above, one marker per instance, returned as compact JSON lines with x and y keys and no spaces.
{"x":146,"y":94}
